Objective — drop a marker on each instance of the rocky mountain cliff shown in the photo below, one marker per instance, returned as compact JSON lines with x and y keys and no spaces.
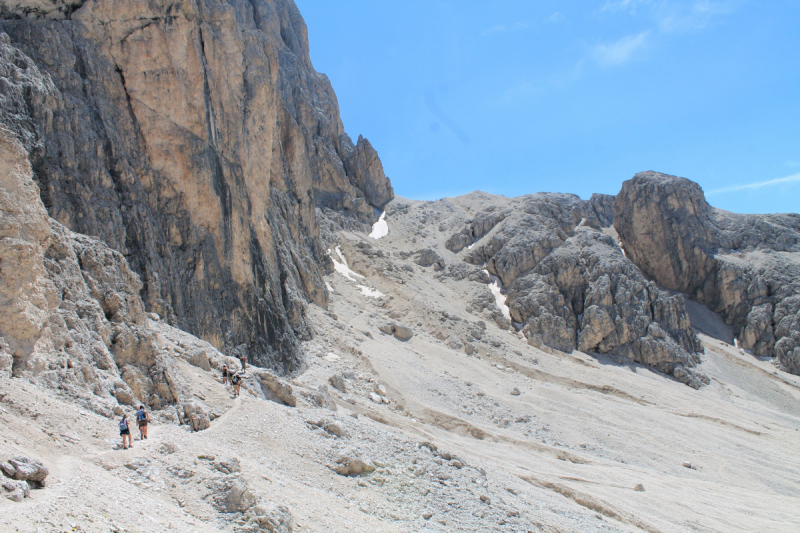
{"x":196,"y":139}
{"x":70,"y":311}
{"x":568,"y":284}
{"x":745,"y":267}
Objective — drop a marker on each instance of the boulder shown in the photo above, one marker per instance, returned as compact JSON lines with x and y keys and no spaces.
{"x":26,"y":469}
{"x":274,"y":388}
{"x":197,"y":415}
{"x":275,"y":519}
{"x":322,"y":398}
{"x":400,"y":331}
{"x":239,"y":497}
{"x":338,"y":382}
{"x":227,"y":466}
{"x":334,"y":427}
{"x":353,"y":465}
{"x":15,"y":490}
{"x":428,"y":257}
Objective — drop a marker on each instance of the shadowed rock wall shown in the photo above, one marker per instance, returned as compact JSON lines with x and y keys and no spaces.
{"x":196,"y":139}
{"x":745,"y":267}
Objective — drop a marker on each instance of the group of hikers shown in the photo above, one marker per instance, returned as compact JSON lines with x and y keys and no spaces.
{"x":142,"y":419}
{"x":229,"y":377}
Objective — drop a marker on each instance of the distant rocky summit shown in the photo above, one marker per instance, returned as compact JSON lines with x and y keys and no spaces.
{"x":745,"y":267}
{"x":569,"y":285}
{"x":195,"y":139}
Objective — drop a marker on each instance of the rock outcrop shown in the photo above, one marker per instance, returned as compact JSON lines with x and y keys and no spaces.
{"x":745,"y":267}
{"x":195,"y":139}
{"x":25,"y":469}
{"x":70,"y":313}
{"x":569,"y":286}
{"x":50,"y":9}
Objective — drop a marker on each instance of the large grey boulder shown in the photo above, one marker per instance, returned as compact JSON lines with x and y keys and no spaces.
{"x":274,"y":388}
{"x":197,"y":415}
{"x":15,"y":491}
{"x":23,"y":468}
{"x":745,"y":267}
{"x":429,"y":257}
{"x":400,"y":331}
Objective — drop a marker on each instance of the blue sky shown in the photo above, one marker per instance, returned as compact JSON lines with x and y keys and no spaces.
{"x":514,"y":97}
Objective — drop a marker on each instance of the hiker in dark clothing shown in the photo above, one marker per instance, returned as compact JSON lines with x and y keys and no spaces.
{"x":142,"y":418}
{"x":125,"y":432}
{"x":236,"y":381}
{"x":226,"y":375}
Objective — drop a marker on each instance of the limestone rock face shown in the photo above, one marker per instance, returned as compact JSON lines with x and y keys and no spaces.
{"x":195,"y":139}
{"x":569,"y":286}
{"x":26,"y":295}
{"x":51,"y":9}
{"x":70,"y":313}
{"x":745,"y":267}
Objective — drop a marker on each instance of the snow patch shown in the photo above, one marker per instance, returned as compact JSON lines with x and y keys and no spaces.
{"x":380,"y":228}
{"x":499,"y":297}
{"x":330,"y":356}
{"x":329,"y":287}
{"x":342,"y":268}
{"x":369,"y":292}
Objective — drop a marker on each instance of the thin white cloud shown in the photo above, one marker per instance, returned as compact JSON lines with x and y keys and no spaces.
{"x":624,"y":5}
{"x":619,"y":52}
{"x":674,"y":15}
{"x":505,"y":28}
{"x":757,"y":185}
{"x":697,"y":15}
{"x":555,"y":18}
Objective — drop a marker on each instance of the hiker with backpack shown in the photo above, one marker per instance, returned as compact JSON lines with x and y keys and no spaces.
{"x":226,"y":375}
{"x":236,"y":381}
{"x":243,"y":360}
{"x":125,"y":432}
{"x":142,"y":418}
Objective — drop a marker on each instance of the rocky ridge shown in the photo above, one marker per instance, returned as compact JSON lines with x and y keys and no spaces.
{"x":568,"y":284}
{"x":745,"y":267}
{"x":197,"y":140}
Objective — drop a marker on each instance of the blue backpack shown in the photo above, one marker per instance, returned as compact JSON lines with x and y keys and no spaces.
{"x":123,"y":424}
